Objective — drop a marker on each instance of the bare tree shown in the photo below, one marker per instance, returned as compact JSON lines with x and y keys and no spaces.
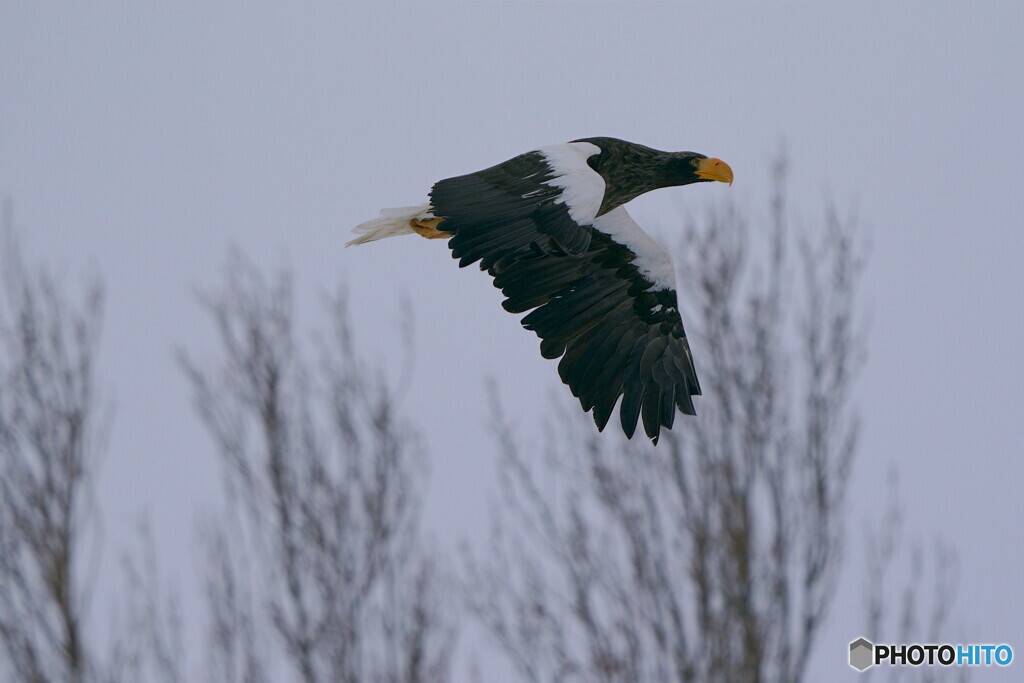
{"x":713,"y":556}
{"x":317,"y":554}
{"x":920,"y":609}
{"x":148,"y":641}
{"x":49,"y":448}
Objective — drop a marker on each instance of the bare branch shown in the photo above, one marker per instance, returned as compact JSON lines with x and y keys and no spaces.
{"x":925,"y":601}
{"x":323,"y":480}
{"x":49,"y":448}
{"x":149,"y":645}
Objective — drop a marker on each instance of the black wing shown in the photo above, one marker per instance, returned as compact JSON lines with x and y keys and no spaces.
{"x":506,"y":211}
{"x":616,"y":335}
{"x":617,"y":332}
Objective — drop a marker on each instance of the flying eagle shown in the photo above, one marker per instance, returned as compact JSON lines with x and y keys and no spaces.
{"x":551,"y":229}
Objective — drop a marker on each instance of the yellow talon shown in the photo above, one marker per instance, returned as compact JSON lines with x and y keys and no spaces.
{"x":428,"y":228}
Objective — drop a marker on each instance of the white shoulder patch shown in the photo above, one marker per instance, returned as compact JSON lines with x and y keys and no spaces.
{"x":582,"y":187}
{"x":652,"y":260}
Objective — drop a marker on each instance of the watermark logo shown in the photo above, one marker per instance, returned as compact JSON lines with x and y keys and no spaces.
{"x":865,"y":654}
{"x":861,"y":654}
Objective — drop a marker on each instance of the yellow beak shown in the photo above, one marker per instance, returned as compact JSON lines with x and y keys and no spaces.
{"x":714,"y":169}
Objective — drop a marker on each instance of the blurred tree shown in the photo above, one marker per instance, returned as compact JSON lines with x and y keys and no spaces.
{"x":49,"y":448}
{"x":713,"y":556}
{"x":317,"y":556}
{"x":909,"y":596}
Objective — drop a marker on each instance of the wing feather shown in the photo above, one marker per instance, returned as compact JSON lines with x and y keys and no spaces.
{"x":599,"y":291}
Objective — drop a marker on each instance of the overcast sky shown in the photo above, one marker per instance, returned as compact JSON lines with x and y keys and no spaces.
{"x":138,"y":145}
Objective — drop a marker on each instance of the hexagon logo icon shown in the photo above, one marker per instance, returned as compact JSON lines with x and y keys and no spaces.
{"x":862,"y":653}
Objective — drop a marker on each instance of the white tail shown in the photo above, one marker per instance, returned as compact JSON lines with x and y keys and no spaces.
{"x":390,"y":223}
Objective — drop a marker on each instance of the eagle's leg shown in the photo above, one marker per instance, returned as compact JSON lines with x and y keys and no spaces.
{"x":428,"y":228}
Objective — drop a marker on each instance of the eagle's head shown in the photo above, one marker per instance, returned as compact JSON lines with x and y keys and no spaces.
{"x":684,"y":168}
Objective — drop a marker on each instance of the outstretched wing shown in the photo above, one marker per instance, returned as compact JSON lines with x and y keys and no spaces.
{"x":542,"y":201}
{"x":601,"y":291}
{"x":613,"y":318}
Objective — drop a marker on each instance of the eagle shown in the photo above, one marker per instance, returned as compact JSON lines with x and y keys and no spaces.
{"x":551,"y":228}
